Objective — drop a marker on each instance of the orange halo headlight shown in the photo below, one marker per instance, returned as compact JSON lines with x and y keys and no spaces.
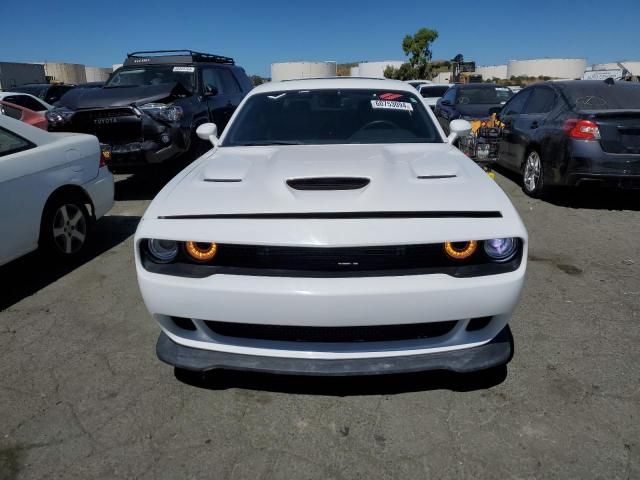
{"x":201,"y":251}
{"x":460,"y":250}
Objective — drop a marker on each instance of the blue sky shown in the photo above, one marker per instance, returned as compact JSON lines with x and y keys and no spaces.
{"x":259,"y":33}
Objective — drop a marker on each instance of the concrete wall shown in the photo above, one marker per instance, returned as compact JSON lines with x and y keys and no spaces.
{"x":354,"y":72}
{"x":97,"y":74}
{"x":492,"y":71}
{"x":65,"y":72}
{"x":297,"y":70}
{"x":376,"y":69}
{"x":547,"y":67}
{"x":15,"y":74}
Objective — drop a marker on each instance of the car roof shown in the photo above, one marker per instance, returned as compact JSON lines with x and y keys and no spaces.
{"x":475,"y":85}
{"x":334,"y":83}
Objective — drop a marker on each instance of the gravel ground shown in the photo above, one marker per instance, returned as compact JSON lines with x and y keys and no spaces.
{"x":83,"y":395}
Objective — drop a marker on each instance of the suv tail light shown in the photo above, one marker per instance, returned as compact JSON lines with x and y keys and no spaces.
{"x":103,"y":159}
{"x":582,"y":129}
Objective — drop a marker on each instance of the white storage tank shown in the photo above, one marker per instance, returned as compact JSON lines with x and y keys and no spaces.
{"x":65,"y":72}
{"x":297,"y":70}
{"x":354,"y":71}
{"x":97,"y":74}
{"x":492,"y":71}
{"x":376,"y":69}
{"x":547,"y":67}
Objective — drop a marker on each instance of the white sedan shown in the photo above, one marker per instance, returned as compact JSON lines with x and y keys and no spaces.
{"x":53,"y":186}
{"x":332,"y":230}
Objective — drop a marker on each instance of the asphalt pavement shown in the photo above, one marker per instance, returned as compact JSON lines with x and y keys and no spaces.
{"x":82,"y":395}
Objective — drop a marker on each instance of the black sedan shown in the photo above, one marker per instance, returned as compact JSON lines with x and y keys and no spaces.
{"x":473,"y":101}
{"x":570,"y":133}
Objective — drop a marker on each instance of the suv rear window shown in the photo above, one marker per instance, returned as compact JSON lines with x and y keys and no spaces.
{"x":482,"y":96}
{"x":587,"y":95}
{"x":433,"y":92}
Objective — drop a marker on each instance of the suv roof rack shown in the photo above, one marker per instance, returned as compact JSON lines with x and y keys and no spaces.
{"x":174,"y":56}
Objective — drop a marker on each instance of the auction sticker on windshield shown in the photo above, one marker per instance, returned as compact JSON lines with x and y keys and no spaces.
{"x":184,"y":69}
{"x":389,"y":105}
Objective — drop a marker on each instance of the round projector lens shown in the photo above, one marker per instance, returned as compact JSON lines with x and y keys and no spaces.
{"x":162,"y":251}
{"x":501,"y":249}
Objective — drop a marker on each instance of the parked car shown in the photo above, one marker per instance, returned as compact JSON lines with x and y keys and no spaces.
{"x":471,"y":101}
{"x":25,"y":100}
{"x":48,"y":92}
{"x":148,"y":111}
{"x":52,"y":188}
{"x":567,"y":133}
{"x":334,"y":230}
{"x":432,"y":93}
{"x":417,"y":83}
{"x":36,"y":119}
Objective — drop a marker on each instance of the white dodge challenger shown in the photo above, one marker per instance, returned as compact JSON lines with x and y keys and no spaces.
{"x":332,"y":230}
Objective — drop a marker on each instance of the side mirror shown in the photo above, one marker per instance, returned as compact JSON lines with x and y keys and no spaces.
{"x":495,"y":110}
{"x":208,"y":131}
{"x":459,"y":129}
{"x":210,"y":91}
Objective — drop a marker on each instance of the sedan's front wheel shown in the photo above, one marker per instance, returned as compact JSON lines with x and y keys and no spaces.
{"x":65,"y":227}
{"x":532,"y":175}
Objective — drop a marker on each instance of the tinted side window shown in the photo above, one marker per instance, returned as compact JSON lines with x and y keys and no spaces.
{"x":542,"y":101}
{"x":26,"y":102}
{"x":516,"y":104}
{"x":450,"y":95}
{"x":229,"y":83}
{"x":211,"y":79}
{"x":12,"y":143}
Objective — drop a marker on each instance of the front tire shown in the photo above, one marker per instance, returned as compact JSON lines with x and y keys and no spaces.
{"x":533,"y":175}
{"x":65,"y":227}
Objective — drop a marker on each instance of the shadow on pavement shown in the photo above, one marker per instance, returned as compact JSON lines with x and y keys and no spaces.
{"x":26,"y":275}
{"x":145,"y":183}
{"x":345,"y":386}
{"x":585,"y":197}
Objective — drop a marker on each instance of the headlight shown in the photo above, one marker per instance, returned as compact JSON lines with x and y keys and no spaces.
{"x":162,"y":251}
{"x":460,"y":250}
{"x":161,"y":111}
{"x":201,"y":252}
{"x":59,"y":115}
{"x":501,"y":249}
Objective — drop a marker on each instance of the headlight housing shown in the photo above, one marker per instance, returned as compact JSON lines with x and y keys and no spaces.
{"x":162,"y":251}
{"x":162,"y":111}
{"x":501,"y":249}
{"x":59,"y":115}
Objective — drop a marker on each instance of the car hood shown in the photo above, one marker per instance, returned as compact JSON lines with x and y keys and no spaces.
{"x":80,"y":98}
{"x":476,"y":110}
{"x":402,"y":177}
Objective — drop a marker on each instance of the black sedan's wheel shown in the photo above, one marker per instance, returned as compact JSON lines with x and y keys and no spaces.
{"x":65,"y":227}
{"x":532,"y":175}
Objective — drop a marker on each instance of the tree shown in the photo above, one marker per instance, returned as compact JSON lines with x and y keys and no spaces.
{"x":418,"y":48}
{"x":256,"y":80}
{"x":459,"y":58}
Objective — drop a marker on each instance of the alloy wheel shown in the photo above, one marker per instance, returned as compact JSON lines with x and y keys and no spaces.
{"x":69,"y":228}
{"x":532,"y":172}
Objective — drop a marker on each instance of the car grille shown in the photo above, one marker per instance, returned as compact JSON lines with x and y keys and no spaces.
{"x":346,"y":259}
{"x":365,"y":333}
{"x":111,"y":125}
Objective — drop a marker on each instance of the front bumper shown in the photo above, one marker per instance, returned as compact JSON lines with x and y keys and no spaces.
{"x":495,"y":353}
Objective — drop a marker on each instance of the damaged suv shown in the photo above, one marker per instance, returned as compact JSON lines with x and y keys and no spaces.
{"x":149,"y":109}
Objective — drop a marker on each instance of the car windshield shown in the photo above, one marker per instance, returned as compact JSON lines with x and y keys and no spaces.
{"x":309,"y":117}
{"x":153,"y":75}
{"x":433,"y":92}
{"x":482,"y":96}
{"x":600,"y":96}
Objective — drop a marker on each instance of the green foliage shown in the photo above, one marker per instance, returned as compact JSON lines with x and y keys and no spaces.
{"x":418,"y":48}
{"x":405,"y":72}
{"x":256,"y":80}
{"x":459,"y":58}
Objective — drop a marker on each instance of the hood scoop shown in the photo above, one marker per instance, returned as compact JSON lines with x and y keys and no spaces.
{"x":328,"y":183}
